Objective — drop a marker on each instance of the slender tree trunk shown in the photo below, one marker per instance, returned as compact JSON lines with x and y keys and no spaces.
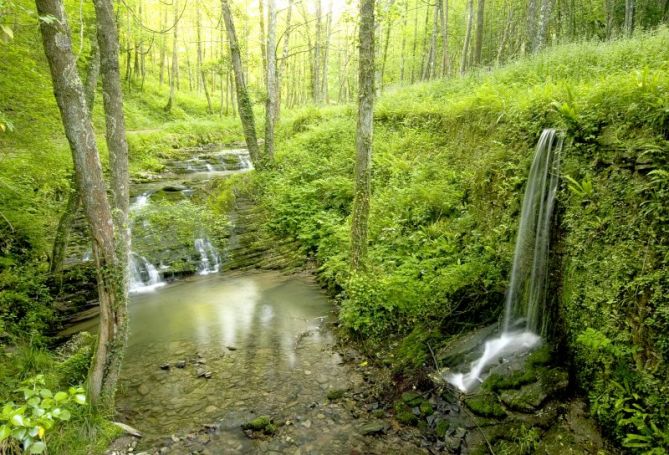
{"x":531,"y":24}
{"x":479,"y":33}
{"x":107,"y":365}
{"x":405,"y":15}
{"x":629,"y":16}
{"x":201,"y":76}
{"x":505,"y":37}
{"x":415,"y":46}
{"x":326,"y":55}
{"x":69,"y":94}
{"x":62,"y":237}
{"x":423,"y":66}
{"x":468,"y":36}
{"x":162,"y":48}
{"x":316,"y":82}
{"x":284,"y":60}
{"x":363,"y":162}
{"x":384,"y":56}
{"x":263,"y":39}
{"x":432,"y":53}
{"x":445,"y":57}
{"x":544,"y":19}
{"x":175,"y":64}
{"x":270,"y":107}
{"x":243,"y":99}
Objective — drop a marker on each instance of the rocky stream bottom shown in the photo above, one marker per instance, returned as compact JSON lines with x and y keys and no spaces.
{"x":248,"y":364}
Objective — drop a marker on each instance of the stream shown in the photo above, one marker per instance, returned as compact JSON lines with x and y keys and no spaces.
{"x":209,"y":350}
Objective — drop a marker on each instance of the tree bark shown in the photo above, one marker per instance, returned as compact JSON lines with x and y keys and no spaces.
{"x":243,"y":100}
{"x":629,"y":17}
{"x":445,"y":58}
{"x":69,"y":94}
{"x":468,"y":36}
{"x":544,"y":19}
{"x":284,"y":61}
{"x":316,"y":82}
{"x":263,"y":47}
{"x":432,"y":53}
{"x":107,"y":365}
{"x":175,"y":63}
{"x":479,"y":32}
{"x":415,"y":46}
{"x":363,"y":162}
{"x":325,"y":95}
{"x":202,"y":76}
{"x":405,"y":14}
{"x":270,"y":107}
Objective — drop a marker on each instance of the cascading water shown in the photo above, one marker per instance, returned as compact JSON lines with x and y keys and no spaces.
{"x":143,"y":275}
{"x":524,"y":316}
{"x":210,"y":262}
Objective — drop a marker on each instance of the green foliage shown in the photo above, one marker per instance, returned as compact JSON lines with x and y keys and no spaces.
{"x":27,"y":421}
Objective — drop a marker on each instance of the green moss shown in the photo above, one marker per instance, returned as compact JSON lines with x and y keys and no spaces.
{"x":485,"y":405}
{"x":261,"y":423}
{"x":335,"y":394}
{"x":412,"y":398}
{"x":441,"y":427}
{"x":496,"y":382}
{"x":426,"y":408}
{"x":404,"y":415}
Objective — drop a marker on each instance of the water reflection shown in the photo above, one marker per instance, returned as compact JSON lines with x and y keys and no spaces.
{"x":253,"y":332}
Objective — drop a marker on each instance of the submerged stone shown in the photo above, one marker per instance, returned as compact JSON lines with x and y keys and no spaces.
{"x":374,"y":427}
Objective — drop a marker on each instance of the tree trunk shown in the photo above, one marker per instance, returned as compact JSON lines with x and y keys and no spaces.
{"x":405,"y":14}
{"x":284,"y":61}
{"x":201,"y":76}
{"x":107,"y":366}
{"x":363,"y":162}
{"x":479,"y":32}
{"x":69,"y":94}
{"x":423,"y":66}
{"x":505,"y":37}
{"x":432,"y":53}
{"x":243,"y":100}
{"x":162,"y":48}
{"x":531,"y":24}
{"x":270,"y":107}
{"x":544,"y":19}
{"x":175,"y":64}
{"x":445,"y":58}
{"x":326,"y":55}
{"x":384,"y":56}
{"x":415,"y":46}
{"x":629,"y":17}
{"x":263,"y":48}
{"x":468,"y":36}
{"x":316,"y":82}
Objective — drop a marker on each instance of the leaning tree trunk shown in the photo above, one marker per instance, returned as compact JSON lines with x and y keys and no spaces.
{"x":363,"y":162}
{"x":62,"y":237}
{"x":468,"y":36}
{"x":69,"y":94}
{"x":243,"y":99}
{"x":270,"y":106}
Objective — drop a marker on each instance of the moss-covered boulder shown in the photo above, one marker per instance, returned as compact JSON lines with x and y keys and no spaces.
{"x":485,"y":405}
{"x":531,"y":396}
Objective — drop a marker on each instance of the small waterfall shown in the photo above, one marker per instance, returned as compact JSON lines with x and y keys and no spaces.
{"x":143,"y":275}
{"x":141,"y":201}
{"x":210,"y":262}
{"x":524,"y":316}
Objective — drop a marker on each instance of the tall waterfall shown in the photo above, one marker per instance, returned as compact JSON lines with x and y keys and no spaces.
{"x":524,"y":315}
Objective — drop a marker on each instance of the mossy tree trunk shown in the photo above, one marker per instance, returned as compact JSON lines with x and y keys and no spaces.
{"x":270,"y":80}
{"x":69,"y":94}
{"x":243,"y":99}
{"x":62,"y":237}
{"x":107,"y":363}
{"x":363,"y":162}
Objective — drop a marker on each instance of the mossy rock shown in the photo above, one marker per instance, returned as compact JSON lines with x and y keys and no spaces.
{"x":335,"y":394}
{"x":426,"y":408}
{"x":412,"y":398}
{"x":441,"y":427}
{"x":485,"y":405}
{"x":404,"y":415}
{"x":540,"y":357}
{"x":531,"y":396}
{"x":515,"y":380}
{"x":261,"y":423}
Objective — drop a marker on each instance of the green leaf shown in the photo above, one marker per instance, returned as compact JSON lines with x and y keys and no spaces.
{"x":45,"y":393}
{"x":37,"y":447}
{"x":34,"y":401}
{"x":4,"y":432}
{"x":7,"y":31}
{"x":65,"y":415}
{"x":60,"y":396}
{"x":17,"y":420}
{"x":80,"y":398}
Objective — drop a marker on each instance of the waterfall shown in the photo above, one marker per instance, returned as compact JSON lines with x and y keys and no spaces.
{"x":524,"y":316}
{"x":210,"y":262}
{"x":143,"y":275}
